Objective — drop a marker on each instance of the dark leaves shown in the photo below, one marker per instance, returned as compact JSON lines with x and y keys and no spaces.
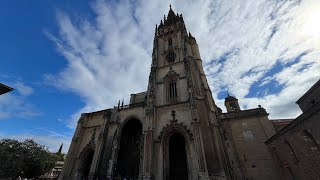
{"x":26,"y":159}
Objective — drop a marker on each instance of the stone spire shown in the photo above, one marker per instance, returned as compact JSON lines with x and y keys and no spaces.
{"x":171,"y":18}
{"x":60,"y":149}
{"x":171,"y":14}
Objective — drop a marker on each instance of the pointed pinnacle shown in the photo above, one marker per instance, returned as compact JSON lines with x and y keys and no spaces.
{"x":155,"y":32}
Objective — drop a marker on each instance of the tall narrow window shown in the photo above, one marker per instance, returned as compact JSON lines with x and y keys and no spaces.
{"x":169,"y":41}
{"x":172,"y":90}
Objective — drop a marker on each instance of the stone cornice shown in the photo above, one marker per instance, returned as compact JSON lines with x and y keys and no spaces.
{"x":243,"y":114}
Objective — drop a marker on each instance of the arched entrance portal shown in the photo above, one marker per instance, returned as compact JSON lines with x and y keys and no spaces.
{"x":177,"y":158}
{"x":129,"y":153}
{"x":86,"y":164}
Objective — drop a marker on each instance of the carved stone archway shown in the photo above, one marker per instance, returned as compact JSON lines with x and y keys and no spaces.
{"x":86,"y":157}
{"x":176,"y":134}
{"x":128,"y":155}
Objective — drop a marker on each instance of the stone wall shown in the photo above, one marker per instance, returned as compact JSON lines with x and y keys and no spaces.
{"x":244,"y":135}
{"x":138,"y":98}
{"x":310,"y":98}
{"x":280,"y":123}
{"x":86,"y":138}
{"x":296,"y":149}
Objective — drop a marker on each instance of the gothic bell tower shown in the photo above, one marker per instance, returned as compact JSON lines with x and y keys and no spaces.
{"x":173,"y":130}
{"x":181,"y":116}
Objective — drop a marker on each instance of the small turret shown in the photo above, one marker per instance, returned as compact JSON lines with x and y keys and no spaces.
{"x":231,"y":104}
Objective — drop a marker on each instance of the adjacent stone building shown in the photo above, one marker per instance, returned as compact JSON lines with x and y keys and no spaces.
{"x":174,"y":130}
{"x":244,"y":134}
{"x":296,"y":147}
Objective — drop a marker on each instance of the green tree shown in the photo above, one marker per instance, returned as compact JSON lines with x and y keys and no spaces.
{"x":26,"y":159}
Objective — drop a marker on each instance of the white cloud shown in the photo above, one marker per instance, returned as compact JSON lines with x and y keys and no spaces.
{"x":109,"y":55}
{"x":50,"y":139}
{"x":15,"y":104}
{"x":23,"y":89}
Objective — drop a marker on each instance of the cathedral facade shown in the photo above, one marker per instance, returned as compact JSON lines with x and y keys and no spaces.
{"x":174,"y":130}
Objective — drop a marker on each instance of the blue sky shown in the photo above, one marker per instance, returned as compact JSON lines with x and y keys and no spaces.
{"x":68,"y":57}
{"x":35,"y":109}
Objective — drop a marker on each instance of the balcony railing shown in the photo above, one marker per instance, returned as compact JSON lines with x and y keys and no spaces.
{"x":128,"y":106}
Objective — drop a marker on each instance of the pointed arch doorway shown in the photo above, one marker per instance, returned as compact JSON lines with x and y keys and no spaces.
{"x":86,"y":162}
{"x":177,"y":158}
{"x":128,"y":160}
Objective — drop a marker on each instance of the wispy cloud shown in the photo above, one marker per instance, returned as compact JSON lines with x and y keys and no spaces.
{"x":44,"y":136}
{"x":241,"y":42}
{"x":14,"y":104}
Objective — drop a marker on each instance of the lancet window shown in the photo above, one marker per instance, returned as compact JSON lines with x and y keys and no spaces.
{"x":172,"y":89}
{"x":169,"y":42}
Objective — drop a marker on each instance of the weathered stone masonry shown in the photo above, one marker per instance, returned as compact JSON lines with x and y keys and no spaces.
{"x":174,"y":130}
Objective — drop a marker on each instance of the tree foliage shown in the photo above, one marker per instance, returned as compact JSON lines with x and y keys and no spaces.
{"x":26,"y":159}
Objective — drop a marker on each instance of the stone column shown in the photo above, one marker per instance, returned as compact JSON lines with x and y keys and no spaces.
{"x":221,"y":153}
{"x":202,"y":169}
{"x":113,"y":156}
{"x":97,"y":155}
{"x":147,"y":154}
{"x":203,"y":172}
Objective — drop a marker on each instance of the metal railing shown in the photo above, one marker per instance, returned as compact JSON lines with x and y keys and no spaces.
{"x":128,"y":106}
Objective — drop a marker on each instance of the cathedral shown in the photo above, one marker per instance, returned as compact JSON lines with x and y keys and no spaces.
{"x":173,"y":130}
